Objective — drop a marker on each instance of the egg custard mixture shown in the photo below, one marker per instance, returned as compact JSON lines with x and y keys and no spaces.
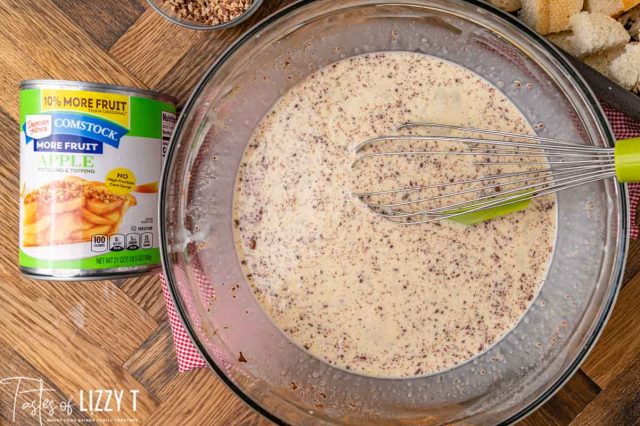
{"x":356,"y":290}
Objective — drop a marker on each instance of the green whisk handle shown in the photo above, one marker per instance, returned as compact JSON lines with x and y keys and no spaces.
{"x":627,"y":160}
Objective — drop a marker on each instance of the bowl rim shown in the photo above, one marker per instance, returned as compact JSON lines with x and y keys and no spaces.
{"x":202,"y":27}
{"x":621,"y":251}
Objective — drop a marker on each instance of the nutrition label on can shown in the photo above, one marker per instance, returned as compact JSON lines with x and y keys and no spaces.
{"x":90,"y":170}
{"x":168,"y":124}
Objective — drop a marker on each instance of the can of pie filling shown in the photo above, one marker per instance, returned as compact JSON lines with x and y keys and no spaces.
{"x":91,"y":157}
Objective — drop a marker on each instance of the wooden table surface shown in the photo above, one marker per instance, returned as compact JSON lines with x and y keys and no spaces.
{"x":115,"y":334}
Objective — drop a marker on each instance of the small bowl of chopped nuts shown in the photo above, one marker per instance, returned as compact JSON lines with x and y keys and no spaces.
{"x":206,"y":14}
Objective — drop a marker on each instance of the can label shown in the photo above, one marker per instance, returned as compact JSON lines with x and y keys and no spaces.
{"x":90,"y":163}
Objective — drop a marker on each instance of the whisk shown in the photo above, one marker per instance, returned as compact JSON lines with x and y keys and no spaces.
{"x":552,"y":166}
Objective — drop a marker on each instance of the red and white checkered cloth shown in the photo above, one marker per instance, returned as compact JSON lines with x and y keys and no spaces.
{"x":188,"y":356}
{"x":190,"y":359}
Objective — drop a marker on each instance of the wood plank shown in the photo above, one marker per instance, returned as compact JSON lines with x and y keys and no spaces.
{"x":620,"y":341}
{"x":102,"y":311}
{"x":146,"y":292}
{"x":244,"y":417}
{"x":566,"y":404}
{"x":151,"y":47}
{"x":197,"y":398}
{"x":156,"y":61}
{"x":13,"y":368}
{"x":104,"y":21}
{"x":10,"y":164}
{"x":17,"y":65}
{"x":190,"y":68}
{"x":154,"y":364}
{"x":617,"y":405}
{"x":63,"y":49}
{"x":65,"y":354}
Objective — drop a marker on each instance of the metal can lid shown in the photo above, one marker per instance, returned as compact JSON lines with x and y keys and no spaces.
{"x":98,"y":87}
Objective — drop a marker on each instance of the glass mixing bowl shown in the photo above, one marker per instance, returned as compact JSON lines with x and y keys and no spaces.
{"x":236,"y":337}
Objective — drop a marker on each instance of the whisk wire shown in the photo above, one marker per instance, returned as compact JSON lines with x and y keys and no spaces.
{"x":469,"y":140}
{"x":486,"y":188}
{"x":529,"y":190}
{"x":524,"y":136}
{"x":497,"y":203}
{"x":559,"y":171}
{"x":554,"y":165}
